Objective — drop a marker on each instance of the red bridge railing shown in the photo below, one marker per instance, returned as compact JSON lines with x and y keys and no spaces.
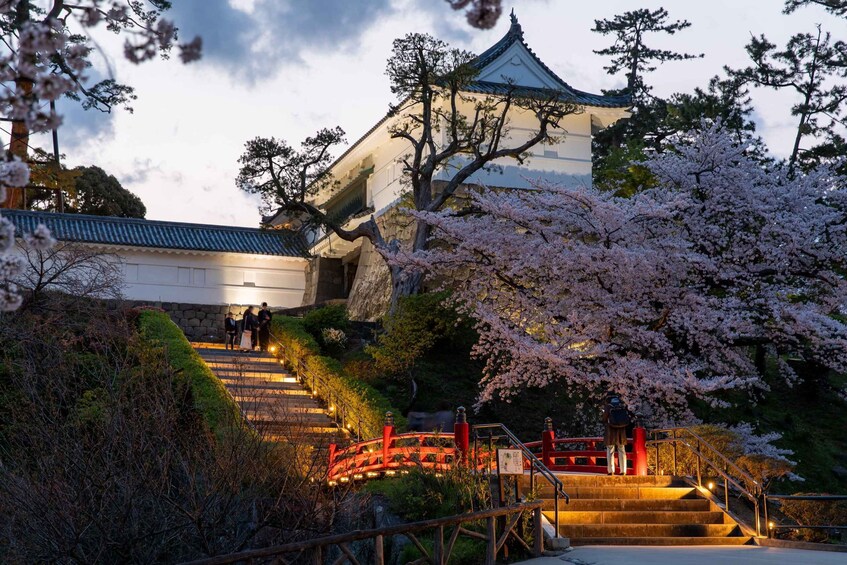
{"x":393,"y":453}
{"x":580,"y":454}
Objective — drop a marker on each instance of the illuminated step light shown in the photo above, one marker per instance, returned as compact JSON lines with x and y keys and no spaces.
{"x":390,"y":473}
{"x":344,"y":479}
{"x":358,"y":476}
{"x":332,"y":483}
{"x":372,"y":474}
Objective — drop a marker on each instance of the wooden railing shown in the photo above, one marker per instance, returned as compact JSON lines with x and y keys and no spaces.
{"x":316,"y":549}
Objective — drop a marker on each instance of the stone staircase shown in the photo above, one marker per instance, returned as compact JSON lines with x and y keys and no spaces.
{"x":271,"y":399}
{"x":651,"y":510}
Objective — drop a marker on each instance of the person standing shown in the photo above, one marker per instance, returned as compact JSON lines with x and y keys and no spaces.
{"x":249,"y":325}
{"x":616,"y":420}
{"x":264,"y":318}
{"x":230,"y":331}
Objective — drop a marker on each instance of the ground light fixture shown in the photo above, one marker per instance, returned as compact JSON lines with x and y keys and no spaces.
{"x":711,"y":485}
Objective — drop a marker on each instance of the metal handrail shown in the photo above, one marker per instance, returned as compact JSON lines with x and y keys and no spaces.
{"x":342,"y":408}
{"x":729,"y":464}
{"x":755,"y":498}
{"x":535,"y":463}
{"x":810,"y":497}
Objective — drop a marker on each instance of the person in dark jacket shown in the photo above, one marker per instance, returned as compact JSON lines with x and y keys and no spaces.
{"x":230,"y":331}
{"x":616,"y":419}
{"x":250,"y":324}
{"x":264,"y":318}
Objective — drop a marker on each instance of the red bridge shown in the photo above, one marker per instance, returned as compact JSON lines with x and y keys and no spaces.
{"x":393,"y":453}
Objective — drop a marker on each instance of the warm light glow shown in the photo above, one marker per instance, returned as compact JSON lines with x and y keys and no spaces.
{"x":391,"y":472}
{"x":331,"y":408}
{"x":344,"y":479}
{"x":372,"y":474}
{"x":770,"y":525}
{"x":358,"y":476}
{"x":349,"y":427}
{"x":332,"y":483}
{"x":711,"y":485}
{"x":273,"y":349}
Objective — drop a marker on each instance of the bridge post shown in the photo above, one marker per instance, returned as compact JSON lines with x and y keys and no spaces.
{"x":387,"y":432}
{"x":639,"y":450}
{"x":461,"y":435}
{"x":547,"y":437}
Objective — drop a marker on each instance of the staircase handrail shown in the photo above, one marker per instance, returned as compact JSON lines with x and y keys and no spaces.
{"x":723,"y":458}
{"x":536,"y":463}
{"x":754,"y":497}
{"x":331,"y":397}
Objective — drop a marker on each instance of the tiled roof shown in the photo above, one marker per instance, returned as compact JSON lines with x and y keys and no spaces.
{"x":133,"y":232}
{"x":568,"y":93}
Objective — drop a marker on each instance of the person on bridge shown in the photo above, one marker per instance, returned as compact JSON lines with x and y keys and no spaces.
{"x":616,"y":420}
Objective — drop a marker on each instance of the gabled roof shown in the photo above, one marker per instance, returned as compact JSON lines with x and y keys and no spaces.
{"x":523,"y":54}
{"x":134,"y":232}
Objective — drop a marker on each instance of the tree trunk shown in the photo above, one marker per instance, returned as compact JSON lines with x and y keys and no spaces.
{"x":19,"y":143}
{"x":403,"y":281}
{"x":18,"y":146}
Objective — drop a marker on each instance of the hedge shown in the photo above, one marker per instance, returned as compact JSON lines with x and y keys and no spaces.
{"x":366,"y":404}
{"x":210,"y":396}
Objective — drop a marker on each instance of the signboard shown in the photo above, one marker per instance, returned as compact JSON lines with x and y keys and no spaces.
{"x":509,"y":462}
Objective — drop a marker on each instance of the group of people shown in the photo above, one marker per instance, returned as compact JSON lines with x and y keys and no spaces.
{"x":255,"y":329}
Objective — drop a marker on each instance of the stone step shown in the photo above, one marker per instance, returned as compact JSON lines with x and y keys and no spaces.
{"x":569,"y":480}
{"x":682,"y":540}
{"x":242,"y":388}
{"x":577,"y":531}
{"x":635,"y":517}
{"x":631,"y":505}
{"x":664,"y":493}
{"x":235,"y":376}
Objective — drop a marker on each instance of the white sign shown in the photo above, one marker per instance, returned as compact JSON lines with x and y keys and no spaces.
{"x":509,"y":462}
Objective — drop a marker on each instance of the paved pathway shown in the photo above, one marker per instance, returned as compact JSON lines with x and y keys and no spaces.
{"x":736,"y":555}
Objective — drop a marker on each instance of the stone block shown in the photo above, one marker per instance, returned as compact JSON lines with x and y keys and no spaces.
{"x":205,"y":323}
{"x":192,"y":322}
{"x":190,"y":313}
{"x":186,"y":306}
{"x":200,"y":315}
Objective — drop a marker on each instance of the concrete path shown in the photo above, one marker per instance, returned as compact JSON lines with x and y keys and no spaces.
{"x":737,"y":555}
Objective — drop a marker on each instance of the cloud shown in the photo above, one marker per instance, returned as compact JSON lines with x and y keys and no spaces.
{"x":255,"y":43}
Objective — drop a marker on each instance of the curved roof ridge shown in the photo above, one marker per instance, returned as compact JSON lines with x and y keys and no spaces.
{"x":516,"y":34}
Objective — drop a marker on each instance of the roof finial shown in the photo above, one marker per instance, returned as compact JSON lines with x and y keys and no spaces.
{"x":515,"y":29}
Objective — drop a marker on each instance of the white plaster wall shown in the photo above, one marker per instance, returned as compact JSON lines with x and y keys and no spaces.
{"x":213,"y":278}
{"x":567,"y":160}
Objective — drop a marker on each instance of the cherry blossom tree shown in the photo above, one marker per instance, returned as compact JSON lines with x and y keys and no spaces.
{"x":662,"y":296}
{"x":45,"y":54}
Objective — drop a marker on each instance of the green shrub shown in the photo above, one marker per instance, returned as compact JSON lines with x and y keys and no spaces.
{"x":366,"y":406}
{"x":210,"y":396}
{"x":423,"y":494}
{"x":466,"y":551}
{"x":420,"y":323}
{"x":332,"y":316}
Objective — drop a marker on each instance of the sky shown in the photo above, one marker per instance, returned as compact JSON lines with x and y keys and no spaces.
{"x":286,"y":68}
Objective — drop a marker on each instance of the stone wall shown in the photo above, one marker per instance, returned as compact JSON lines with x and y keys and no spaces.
{"x":199,"y":322}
